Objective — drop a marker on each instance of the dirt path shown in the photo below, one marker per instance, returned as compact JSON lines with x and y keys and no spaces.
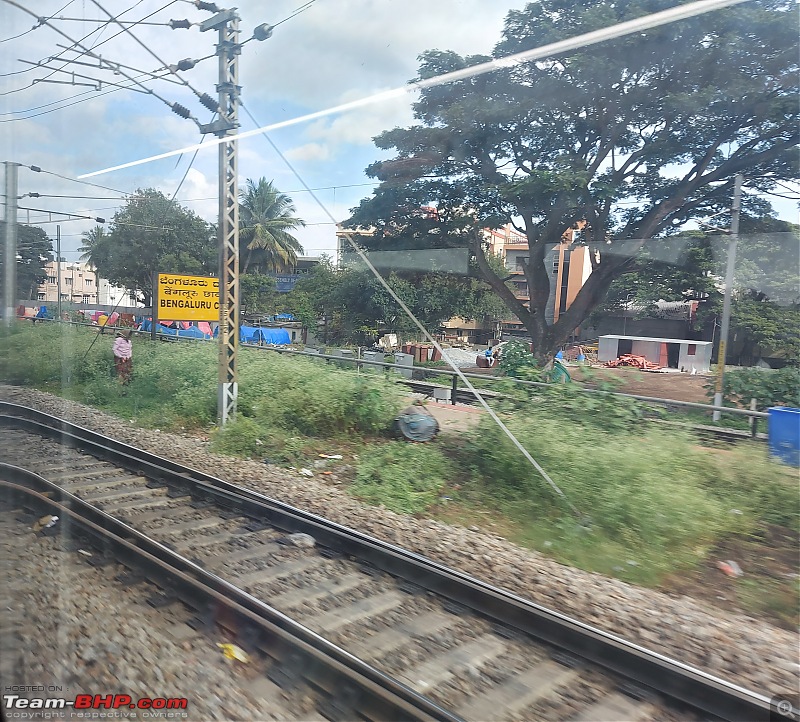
{"x":678,"y":386}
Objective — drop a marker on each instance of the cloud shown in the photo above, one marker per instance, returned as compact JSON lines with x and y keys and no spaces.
{"x":309,"y":151}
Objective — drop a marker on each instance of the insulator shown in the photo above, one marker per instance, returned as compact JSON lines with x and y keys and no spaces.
{"x":208,"y":102}
{"x":100,"y":220}
{"x":180,"y":110}
{"x":36,"y":169}
{"x":186,"y":64}
{"x":33,"y":195}
{"x":206,"y":6}
{"x":180,"y":24}
{"x":262,"y":32}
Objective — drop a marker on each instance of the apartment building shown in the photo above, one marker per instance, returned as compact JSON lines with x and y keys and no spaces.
{"x":78,"y":283}
{"x":569,"y":263}
{"x":81,"y":284}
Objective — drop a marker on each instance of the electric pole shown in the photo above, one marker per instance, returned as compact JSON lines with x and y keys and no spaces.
{"x":228,"y":49}
{"x":58,"y":269}
{"x":726,"y":304}
{"x":10,"y":249}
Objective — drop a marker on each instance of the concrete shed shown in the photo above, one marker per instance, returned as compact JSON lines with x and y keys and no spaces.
{"x":673,"y":353}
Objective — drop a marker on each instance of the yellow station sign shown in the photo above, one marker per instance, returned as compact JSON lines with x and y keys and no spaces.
{"x":187,"y":298}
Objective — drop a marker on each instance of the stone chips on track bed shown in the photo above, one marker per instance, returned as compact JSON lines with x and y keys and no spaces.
{"x":743,"y":650}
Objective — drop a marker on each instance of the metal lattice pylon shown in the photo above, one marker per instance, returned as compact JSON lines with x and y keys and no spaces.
{"x":228,"y":89}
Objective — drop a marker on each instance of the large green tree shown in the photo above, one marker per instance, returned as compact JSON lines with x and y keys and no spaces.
{"x":34,"y":251}
{"x":635,"y":136}
{"x":266,"y":217}
{"x":149,"y":234}
{"x":357,"y":308}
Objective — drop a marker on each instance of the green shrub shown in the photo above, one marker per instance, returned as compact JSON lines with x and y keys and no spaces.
{"x":779,"y":387}
{"x":517,"y":360}
{"x":314,"y":398}
{"x":405,"y":478}
{"x":241,"y":437}
{"x":644,"y":491}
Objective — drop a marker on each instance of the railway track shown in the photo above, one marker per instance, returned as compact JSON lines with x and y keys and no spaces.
{"x":392,"y":635}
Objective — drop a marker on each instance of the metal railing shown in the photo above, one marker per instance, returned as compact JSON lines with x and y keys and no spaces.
{"x":359,"y":362}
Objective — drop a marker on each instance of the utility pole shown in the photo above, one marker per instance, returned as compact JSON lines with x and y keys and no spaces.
{"x":10,"y":257}
{"x":226,"y":23}
{"x":58,"y":268}
{"x":726,"y":305}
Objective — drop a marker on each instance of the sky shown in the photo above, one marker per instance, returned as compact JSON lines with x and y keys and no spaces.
{"x":331,"y":52}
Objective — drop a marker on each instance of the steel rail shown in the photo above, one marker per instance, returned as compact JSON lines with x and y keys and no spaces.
{"x":653,"y":671}
{"x":326,"y":665}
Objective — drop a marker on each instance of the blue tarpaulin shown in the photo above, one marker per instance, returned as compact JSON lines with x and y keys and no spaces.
{"x":271,"y":336}
{"x":191,"y":332}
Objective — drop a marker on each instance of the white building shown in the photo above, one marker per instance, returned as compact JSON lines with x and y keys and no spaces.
{"x":109,"y":295}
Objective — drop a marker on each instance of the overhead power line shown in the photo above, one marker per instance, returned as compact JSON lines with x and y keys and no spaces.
{"x":91,"y":93}
{"x":35,"y":27}
{"x":175,"y":107}
{"x":646,"y":22}
{"x":205,"y":99}
{"x":45,"y":21}
{"x":37,"y":169}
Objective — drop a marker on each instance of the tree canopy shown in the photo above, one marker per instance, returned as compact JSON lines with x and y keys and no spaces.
{"x":151,"y":233}
{"x":635,"y":137}
{"x":34,"y":251}
{"x":357,"y":308}
{"x":265,"y":218}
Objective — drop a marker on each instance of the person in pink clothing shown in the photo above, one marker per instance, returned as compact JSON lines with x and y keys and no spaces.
{"x":123,"y":356}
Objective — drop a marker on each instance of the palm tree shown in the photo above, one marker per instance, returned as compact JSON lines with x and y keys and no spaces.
{"x":266,"y":216}
{"x":95,"y":246}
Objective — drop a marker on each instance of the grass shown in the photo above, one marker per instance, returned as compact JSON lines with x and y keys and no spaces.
{"x":654,"y":501}
{"x":405,"y":478}
{"x":174,"y":386}
{"x":651,"y":494}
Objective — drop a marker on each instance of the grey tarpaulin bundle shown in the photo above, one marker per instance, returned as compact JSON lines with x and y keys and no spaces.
{"x":416,"y":423}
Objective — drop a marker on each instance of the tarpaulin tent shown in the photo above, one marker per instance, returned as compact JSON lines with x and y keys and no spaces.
{"x":191,"y":332}
{"x":270,"y":336}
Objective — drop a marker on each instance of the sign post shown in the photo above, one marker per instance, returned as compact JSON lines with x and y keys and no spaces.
{"x":185,"y":298}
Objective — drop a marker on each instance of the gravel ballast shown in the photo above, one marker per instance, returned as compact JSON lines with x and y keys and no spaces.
{"x":740,"y":649}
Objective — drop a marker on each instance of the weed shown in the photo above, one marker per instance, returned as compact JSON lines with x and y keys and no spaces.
{"x":405,"y":478}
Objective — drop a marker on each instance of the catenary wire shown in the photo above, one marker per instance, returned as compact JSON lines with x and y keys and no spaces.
{"x":645,"y":22}
{"x":36,"y":169}
{"x":150,"y":50}
{"x":88,"y":51}
{"x":421,"y":327}
{"x":35,"y":27}
{"x":45,"y":21}
{"x":92,"y":93}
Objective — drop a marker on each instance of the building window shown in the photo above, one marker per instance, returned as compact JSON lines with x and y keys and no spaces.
{"x":68,"y":281}
{"x":691,"y":349}
{"x":52,"y":279}
{"x":86,"y":298}
{"x":64,"y":297}
{"x":40,"y":296}
{"x":88,"y":281}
